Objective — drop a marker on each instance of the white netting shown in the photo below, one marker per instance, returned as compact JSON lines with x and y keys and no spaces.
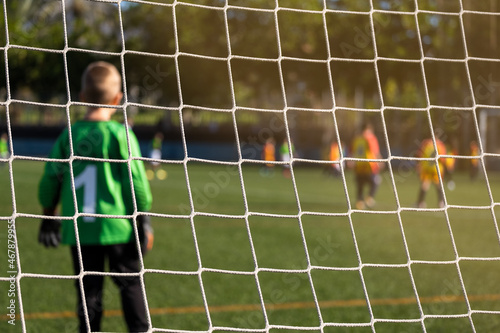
{"x":334,"y":107}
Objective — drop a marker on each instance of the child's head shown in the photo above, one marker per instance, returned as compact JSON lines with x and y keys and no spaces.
{"x":101,"y":84}
{"x":367,"y":127}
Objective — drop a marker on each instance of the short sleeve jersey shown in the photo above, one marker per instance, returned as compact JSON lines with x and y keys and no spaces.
{"x":269,"y":152}
{"x":366,"y":146}
{"x":4,"y":147}
{"x":101,"y":187}
{"x":334,"y":152}
{"x":285,"y":151}
{"x":474,"y":151}
{"x":157,"y":143}
{"x":427,"y":151}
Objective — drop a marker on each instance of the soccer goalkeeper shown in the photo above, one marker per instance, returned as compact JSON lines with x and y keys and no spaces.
{"x":102,"y":188}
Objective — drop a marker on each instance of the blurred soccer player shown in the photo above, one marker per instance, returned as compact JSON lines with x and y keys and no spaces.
{"x":365,"y":146}
{"x":428,"y":170}
{"x":450,"y":168}
{"x":285,"y":153}
{"x":334,"y":155}
{"x":474,"y":163}
{"x":102,"y":188}
{"x":269,"y":155}
{"x":156,"y":154}
{"x":4,"y":146}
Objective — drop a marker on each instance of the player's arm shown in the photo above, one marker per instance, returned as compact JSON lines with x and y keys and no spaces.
{"x":49,"y":188}
{"x":441,"y":149}
{"x":142,"y":192}
{"x":375,"y":148}
{"x":140,"y":181}
{"x":49,"y":191}
{"x":144,"y":198}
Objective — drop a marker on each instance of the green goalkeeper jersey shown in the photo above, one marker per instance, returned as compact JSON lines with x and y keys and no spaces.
{"x":100,"y":187}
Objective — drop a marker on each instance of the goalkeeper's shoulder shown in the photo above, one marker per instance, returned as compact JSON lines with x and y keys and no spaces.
{"x":122,"y":132}
{"x":122,"y":137}
{"x":118,"y":128}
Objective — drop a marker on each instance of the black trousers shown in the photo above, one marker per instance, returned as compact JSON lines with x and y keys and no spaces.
{"x":363,"y":180}
{"x":122,"y":258}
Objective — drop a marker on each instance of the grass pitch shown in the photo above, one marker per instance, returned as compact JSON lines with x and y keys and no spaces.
{"x":382,"y":255}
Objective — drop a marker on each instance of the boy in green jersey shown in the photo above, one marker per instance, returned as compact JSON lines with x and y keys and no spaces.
{"x":97,"y":176}
{"x":4,"y":146}
{"x":285,"y":153}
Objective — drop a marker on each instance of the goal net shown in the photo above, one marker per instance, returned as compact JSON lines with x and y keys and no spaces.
{"x":264,"y":218}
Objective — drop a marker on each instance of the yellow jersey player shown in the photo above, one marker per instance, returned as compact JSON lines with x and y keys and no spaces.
{"x":428,"y":170}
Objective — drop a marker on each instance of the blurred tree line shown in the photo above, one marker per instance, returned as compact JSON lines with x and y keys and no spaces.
{"x":299,"y":57}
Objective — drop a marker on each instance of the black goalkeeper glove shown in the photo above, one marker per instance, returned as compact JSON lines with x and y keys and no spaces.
{"x":145,"y":230}
{"x":49,"y":234}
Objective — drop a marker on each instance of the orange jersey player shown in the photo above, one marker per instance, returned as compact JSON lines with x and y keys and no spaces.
{"x":428,"y":170}
{"x":334,"y":155}
{"x":269,"y":152}
{"x":269,"y":155}
{"x":365,"y":146}
{"x":474,"y":163}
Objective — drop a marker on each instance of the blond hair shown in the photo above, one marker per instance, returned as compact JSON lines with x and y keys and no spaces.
{"x":101,"y":83}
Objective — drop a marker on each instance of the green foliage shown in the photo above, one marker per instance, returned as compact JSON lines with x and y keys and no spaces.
{"x":201,"y":31}
{"x":260,"y":54}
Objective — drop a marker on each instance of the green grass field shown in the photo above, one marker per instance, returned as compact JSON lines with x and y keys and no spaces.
{"x":332,"y":235}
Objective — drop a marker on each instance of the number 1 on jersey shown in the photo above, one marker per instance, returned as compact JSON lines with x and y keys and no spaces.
{"x":87,"y":179}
